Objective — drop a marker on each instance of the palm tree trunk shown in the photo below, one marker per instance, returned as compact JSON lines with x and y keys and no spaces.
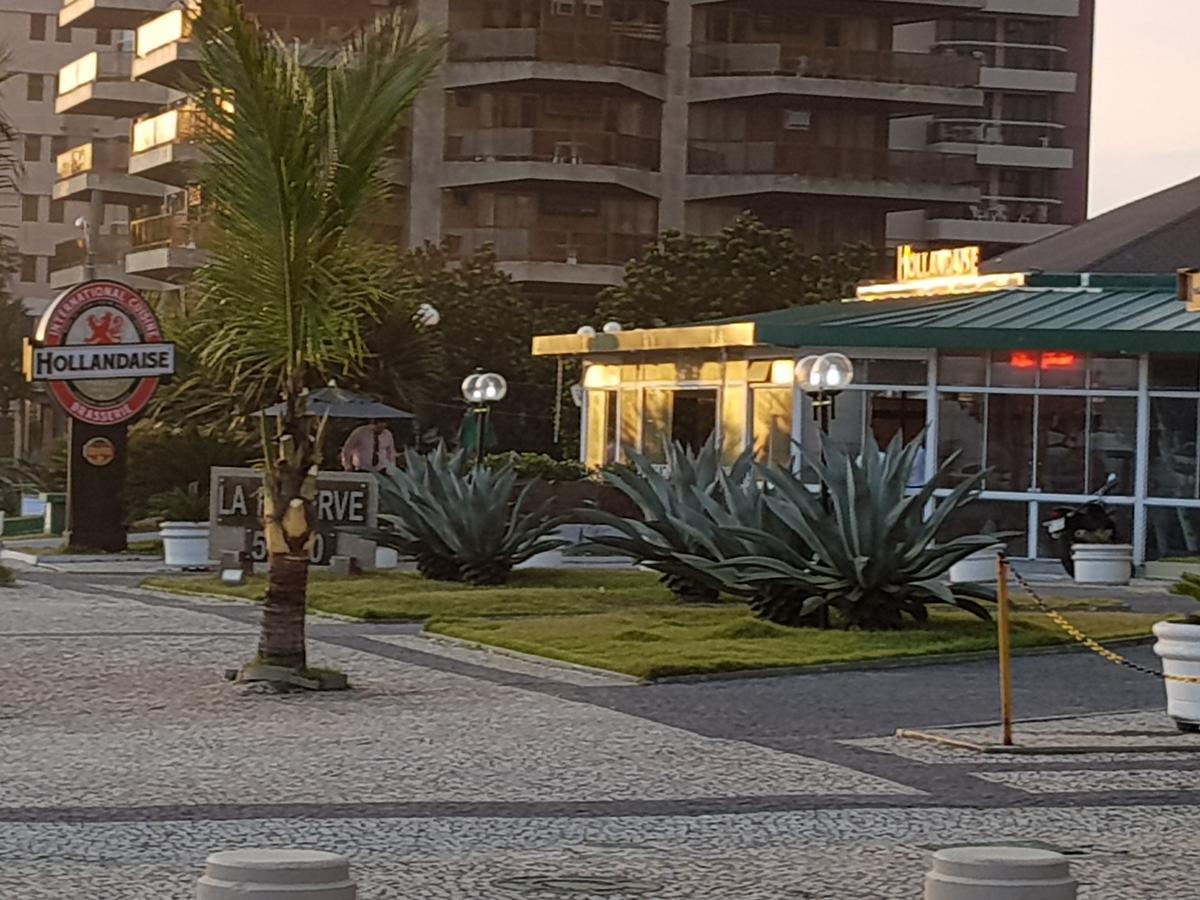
{"x":288,"y":524}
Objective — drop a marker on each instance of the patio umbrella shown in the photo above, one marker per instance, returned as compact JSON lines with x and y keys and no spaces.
{"x":338,"y":403}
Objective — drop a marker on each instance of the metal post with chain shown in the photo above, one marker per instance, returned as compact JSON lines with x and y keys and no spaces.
{"x":1095,"y":646}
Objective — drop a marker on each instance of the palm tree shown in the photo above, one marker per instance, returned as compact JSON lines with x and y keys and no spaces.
{"x":297,"y":141}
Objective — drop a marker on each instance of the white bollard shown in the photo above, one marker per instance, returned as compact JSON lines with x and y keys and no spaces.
{"x":1000,"y":873}
{"x":276,"y":875}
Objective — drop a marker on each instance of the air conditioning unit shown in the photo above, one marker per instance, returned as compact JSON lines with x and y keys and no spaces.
{"x":797,"y":120}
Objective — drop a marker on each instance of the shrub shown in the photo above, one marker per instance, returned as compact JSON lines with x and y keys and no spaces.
{"x":460,"y":524}
{"x":871,"y":557}
{"x":167,"y":463}
{"x":529,"y":466}
{"x":1188,"y":586}
{"x":8,"y":577}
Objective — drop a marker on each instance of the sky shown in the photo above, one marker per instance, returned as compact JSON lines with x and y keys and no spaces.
{"x":1145,"y":124}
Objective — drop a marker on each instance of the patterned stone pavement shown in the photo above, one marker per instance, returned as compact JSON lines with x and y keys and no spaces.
{"x":125,"y":758}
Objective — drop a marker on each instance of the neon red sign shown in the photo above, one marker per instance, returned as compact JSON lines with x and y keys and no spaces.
{"x":1051,"y":359}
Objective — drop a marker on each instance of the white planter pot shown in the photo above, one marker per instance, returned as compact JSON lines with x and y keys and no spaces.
{"x":978,"y":568}
{"x":1179,"y":648}
{"x":184,"y":543}
{"x":1102,"y":563}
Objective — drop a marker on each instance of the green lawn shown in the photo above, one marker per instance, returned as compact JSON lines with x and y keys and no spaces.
{"x":654,"y":643}
{"x":531,"y":592}
{"x":627,"y":622}
{"x":135,"y":548}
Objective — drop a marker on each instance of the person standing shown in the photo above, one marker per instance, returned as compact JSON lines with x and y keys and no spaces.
{"x":369,"y":448}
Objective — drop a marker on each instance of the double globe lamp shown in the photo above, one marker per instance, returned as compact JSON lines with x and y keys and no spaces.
{"x":481,"y":389}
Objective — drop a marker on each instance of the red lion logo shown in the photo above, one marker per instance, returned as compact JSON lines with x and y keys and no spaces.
{"x":105,"y":329}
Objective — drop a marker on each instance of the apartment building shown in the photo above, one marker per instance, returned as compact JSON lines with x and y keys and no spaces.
{"x":1029,"y":140}
{"x":39,"y":219}
{"x":567,"y":133}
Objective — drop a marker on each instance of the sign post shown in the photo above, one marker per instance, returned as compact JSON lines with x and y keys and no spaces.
{"x":100,"y":350}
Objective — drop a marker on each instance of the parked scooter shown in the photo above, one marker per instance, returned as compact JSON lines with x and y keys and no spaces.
{"x":1069,"y":526}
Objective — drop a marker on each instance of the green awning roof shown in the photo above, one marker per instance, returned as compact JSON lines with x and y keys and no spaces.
{"x":1112,"y":314}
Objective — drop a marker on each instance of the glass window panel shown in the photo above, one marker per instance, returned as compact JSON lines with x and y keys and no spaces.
{"x":991,"y":517}
{"x":1172,"y":447}
{"x":1060,"y":369}
{"x":1112,"y":443}
{"x":772,"y":417}
{"x":1180,"y":372}
{"x":656,"y":424}
{"x":893,"y":371}
{"x":610,"y":426}
{"x":1113,"y":372}
{"x":896,"y":412}
{"x":1015,"y":369}
{"x":1172,"y":532}
{"x":1010,"y":442}
{"x":693,"y":417}
{"x":962,"y":369}
{"x":631,"y":417}
{"x":961,"y":430}
{"x":1061,"y":439}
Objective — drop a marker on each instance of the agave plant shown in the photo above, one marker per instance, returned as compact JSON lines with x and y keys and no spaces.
{"x":872,"y":557}
{"x":684,"y":514}
{"x":460,"y":524}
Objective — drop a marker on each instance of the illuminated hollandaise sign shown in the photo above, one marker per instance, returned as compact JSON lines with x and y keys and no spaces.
{"x":913,"y":265}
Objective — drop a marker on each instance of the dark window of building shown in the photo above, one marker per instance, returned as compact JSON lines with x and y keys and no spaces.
{"x":63,"y":34}
{"x":1170,"y":372}
{"x":29,"y":208}
{"x":33,"y":148}
{"x":29,"y":268}
{"x":833,"y":32}
{"x":37,"y":27}
{"x":35,"y":88}
{"x":103,"y":36}
{"x":693,"y":417}
{"x":58,"y":145}
{"x":57,"y":210}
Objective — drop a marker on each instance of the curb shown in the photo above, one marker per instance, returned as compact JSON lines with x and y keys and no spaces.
{"x":459,"y":643}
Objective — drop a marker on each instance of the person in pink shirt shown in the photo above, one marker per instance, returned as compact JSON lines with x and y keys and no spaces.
{"x":369,"y":448}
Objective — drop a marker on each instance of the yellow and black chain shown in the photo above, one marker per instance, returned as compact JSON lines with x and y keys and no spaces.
{"x":1095,"y":646}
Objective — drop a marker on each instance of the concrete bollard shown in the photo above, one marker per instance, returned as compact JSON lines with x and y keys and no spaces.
{"x":276,"y":875}
{"x":1000,"y":873}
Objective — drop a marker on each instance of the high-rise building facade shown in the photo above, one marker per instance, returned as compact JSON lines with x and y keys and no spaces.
{"x":567,"y":133}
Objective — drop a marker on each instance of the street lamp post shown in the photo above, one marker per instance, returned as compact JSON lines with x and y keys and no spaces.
{"x":823,"y":378}
{"x":481,"y":390}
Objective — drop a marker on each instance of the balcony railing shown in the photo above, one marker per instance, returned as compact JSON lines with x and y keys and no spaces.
{"x":568,"y":147}
{"x":175,"y":126}
{"x":603,"y":48}
{"x":1042,"y":57}
{"x":108,"y":65}
{"x":95,"y":156}
{"x":176,"y":229}
{"x":846,"y":163}
{"x":550,"y":244}
{"x":108,"y":249}
{"x":946,"y":70}
{"x":984,"y":131}
{"x":172,"y":26}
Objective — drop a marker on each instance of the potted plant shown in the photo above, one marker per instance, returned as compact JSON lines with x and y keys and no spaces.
{"x":1178,"y":647}
{"x":978,"y":568}
{"x":1100,"y":561}
{"x":184,"y":526}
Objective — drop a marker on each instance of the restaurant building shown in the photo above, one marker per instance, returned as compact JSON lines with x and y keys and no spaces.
{"x":1046,"y":382}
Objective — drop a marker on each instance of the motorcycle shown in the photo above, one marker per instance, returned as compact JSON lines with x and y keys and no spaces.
{"x":1070,"y":525}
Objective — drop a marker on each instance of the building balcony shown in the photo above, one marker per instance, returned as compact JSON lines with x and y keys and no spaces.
{"x":997,"y":143}
{"x":993,"y":222}
{"x":166,"y":247}
{"x":101,"y":166}
{"x":553,"y":256}
{"x":501,"y":55}
{"x":731,"y":70}
{"x":69,"y":264}
{"x":112,"y":14}
{"x":1015,"y":66}
{"x":164,"y":52}
{"x":167,"y":147}
{"x":739,"y":168}
{"x":97,"y":84}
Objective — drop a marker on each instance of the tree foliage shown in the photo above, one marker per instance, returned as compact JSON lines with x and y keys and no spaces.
{"x":747,"y":268}
{"x":14,"y":324}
